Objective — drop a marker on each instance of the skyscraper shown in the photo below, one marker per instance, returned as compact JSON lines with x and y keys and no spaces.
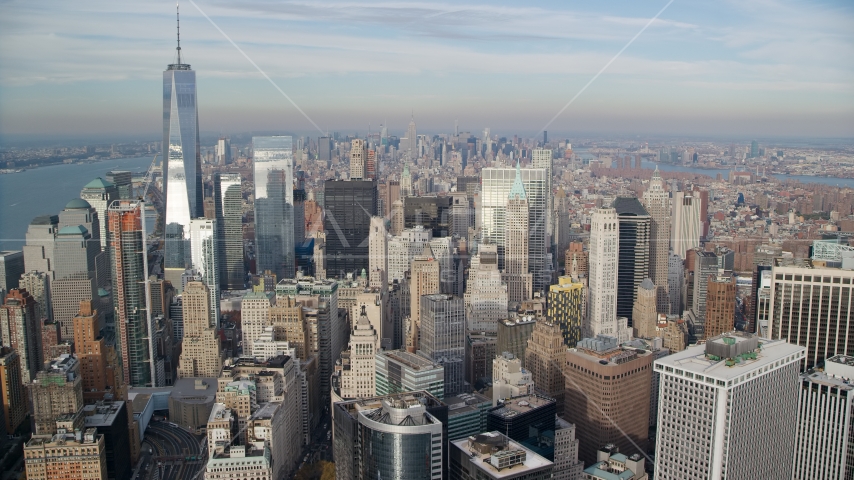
{"x":358,"y":159}
{"x":544,"y":357}
{"x":201,"y":352}
{"x":443,"y":337}
{"x":811,"y":307}
{"x":273,"y":161}
{"x":347,"y":223}
{"x":720,"y":304}
{"x":687,"y":225}
{"x":657,"y":203}
{"x":675,"y":282}
{"x":412,"y":136}
{"x":126,"y":232}
{"x":424,"y":281}
{"x":38,"y":251}
{"x":98,"y":361}
{"x":824,"y":447}
{"x":705,"y":266}
{"x":602,"y":294}
{"x":516,"y":230}
{"x":608,"y":395}
{"x":715,"y":398}
{"x":204,"y":256}
{"x":182,"y":160}
{"x":229,"y":217}
{"x":11,"y":269}
{"x":13,"y":395}
{"x":19,"y":329}
{"x":486,"y":294}
{"x":633,"y":256}
{"x":496,"y":185}
{"x":378,"y":253}
{"x":543,"y":158}
{"x":358,"y":376}
{"x":645,"y":314}
{"x":566,"y":308}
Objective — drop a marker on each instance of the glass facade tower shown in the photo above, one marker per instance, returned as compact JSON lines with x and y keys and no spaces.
{"x":182,"y":161}
{"x":273,"y":160}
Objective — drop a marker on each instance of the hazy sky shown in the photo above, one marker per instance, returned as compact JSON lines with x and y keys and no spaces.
{"x":725,"y":67}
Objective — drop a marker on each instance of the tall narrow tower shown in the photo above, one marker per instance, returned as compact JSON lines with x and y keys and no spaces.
{"x":602,"y":296}
{"x":516,"y":224}
{"x":657,"y":203}
{"x":126,"y":238}
{"x":182,"y":161}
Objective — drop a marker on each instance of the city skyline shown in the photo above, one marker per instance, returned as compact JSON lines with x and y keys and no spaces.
{"x":759,"y":69}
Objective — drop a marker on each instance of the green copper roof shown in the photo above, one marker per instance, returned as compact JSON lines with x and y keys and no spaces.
{"x":77,"y":204}
{"x":518,"y":190}
{"x":99,"y":183}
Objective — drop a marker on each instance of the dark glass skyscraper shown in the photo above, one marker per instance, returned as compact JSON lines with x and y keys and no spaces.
{"x":273,"y":160}
{"x":228,"y":199}
{"x":182,"y":161}
{"x":350,"y":204}
{"x":633,"y":257}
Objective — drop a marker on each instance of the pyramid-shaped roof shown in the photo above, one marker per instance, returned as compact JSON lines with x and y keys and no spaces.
{"x":518,"y":190}
{"x":99,"y":183}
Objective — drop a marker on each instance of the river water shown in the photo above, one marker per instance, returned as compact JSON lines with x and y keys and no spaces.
{"x":666,"y":167}
{"x":46,"y":190}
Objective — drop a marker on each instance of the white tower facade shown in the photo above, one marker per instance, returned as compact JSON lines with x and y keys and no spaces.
{"x":359,"y":381}
{"x":602,"y":279}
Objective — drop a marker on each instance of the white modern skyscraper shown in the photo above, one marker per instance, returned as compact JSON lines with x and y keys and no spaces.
{"x":602,"y":279}
{"x":495,"y":190}
{"x":358,"y":159}
{"x":717,"y":399}
{"x":657,"y":203}
{"x":273,"y":161}
{"x":687,"y":226}
{"x":204,"y":249}
{"x":824,"y":447}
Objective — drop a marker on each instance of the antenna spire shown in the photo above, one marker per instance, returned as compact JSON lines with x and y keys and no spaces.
{"x":178,"y":17}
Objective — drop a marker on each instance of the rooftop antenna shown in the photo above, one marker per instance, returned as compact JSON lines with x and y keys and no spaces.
{"x":178,"y":17}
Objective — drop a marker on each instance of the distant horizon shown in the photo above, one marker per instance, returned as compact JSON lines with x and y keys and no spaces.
{"x":773,"y":69}
{"x":209,"y":138}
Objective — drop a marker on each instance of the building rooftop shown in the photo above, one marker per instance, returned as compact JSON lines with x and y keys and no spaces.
{"x":411,"y":360}
{"x":194,"y":390}
{"x":629,"y":206}
{"x":696,"y":360}
{"x":101,"y":414}
{"x":465,"y":403}
{"x":45,"y":220}
{"x":77,"y":204}
{"x":99,"y":183}
{"x":500,"y":457}
{"x":514,"y":406}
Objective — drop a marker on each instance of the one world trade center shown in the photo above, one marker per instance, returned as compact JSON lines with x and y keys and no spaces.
{"x":182,"y":164}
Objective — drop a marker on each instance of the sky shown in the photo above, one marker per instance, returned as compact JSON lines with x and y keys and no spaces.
{"x":761,"y":68}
